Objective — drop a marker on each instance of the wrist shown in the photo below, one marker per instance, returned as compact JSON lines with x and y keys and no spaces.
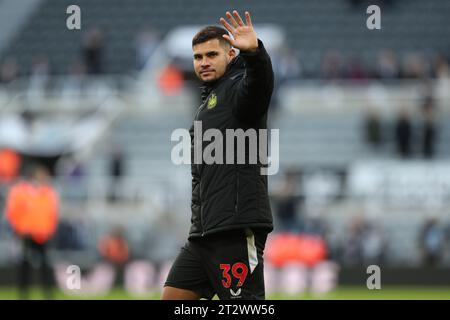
{"x":252,"y":49}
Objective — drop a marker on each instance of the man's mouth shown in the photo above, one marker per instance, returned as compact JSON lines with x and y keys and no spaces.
{"x":205,"y":72}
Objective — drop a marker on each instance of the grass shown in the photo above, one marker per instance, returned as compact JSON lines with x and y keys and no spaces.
{"x":341,"y":293}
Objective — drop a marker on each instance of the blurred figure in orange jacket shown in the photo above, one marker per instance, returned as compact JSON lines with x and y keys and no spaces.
{"x":113,"y":248}
{"x":32,"y":210}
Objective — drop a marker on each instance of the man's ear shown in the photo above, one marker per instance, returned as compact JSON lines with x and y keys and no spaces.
{"x":231,"y":53}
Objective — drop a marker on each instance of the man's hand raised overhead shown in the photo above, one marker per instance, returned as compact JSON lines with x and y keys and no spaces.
{"x":244,"y":35}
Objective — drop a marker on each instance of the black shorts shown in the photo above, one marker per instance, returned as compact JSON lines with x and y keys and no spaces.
{"x":229,"y":264}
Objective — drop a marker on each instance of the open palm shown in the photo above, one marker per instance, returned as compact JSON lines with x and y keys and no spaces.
{"x":244,"y":35}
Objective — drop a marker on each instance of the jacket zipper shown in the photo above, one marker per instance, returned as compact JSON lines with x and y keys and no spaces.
{"x":200,"y":186}
{"x":202,"y":106}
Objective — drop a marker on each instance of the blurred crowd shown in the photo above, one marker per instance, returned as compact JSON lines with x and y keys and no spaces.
{"x":413,"y":133}
{"x":363,"y":241}
{"x":385,"y":65}
{"x":289,"y":64}
{"x":90,"y":60}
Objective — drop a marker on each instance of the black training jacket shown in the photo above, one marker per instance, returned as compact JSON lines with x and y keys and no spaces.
{"x":233,"y":196}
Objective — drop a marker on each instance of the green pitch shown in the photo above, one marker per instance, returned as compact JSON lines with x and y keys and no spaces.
{"x":341,"y":293}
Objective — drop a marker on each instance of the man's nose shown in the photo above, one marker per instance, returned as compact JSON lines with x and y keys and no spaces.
{"x":205,"y":62}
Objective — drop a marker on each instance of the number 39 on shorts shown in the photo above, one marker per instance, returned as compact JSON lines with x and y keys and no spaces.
{"x":239,"y":271}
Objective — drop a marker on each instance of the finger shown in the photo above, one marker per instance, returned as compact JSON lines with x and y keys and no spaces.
{"x":238,"y":18}
{"x":248,"y":19}
{"x":233,"y":22}
{"x":228,"y":38}
{"x":227,"y":25}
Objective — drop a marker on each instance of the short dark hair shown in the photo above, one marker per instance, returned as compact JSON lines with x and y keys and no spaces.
{"x":209,"y":33}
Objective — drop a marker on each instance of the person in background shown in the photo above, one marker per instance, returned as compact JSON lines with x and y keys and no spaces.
{"x":403,"y":134}
{"x":428,"y":131}
{"x":32,"y":210}
{"x":387,"y":65}
{"x":113,"y":248}
{"x":431,"y":242}
{"x":92,"y":52}
{"x":117,"y":171}
{"x":372,"y":129}
{"x":287,"y":202}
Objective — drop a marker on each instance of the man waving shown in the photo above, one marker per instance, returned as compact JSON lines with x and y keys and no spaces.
{"x":231,"y":214}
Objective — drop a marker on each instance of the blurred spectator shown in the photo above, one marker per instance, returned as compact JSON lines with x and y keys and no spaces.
{"x":353,"y":244}
{"x":92,"y":51}
{"x":287,"y":201}
{"x":171,"y":80}
{"x":8,"y":71}
{"x":145,"y":44}
{"x":442,"y":73}
{"x":287,"y":66}
{"x":443,"y":69}
{"x":431,"y":242}
{"x":374,"y":245}
{"x":68,"y":236}
{"x":113,"y":248}
{"x":372,"y":129}
{"x":40,"y":70}
{"x":32,"y":210}
{"x":440,"y":66}
{"x":387,"y":65}
{"x":117,"y":171}
{"x":403,"y":134}
{"x":426,"y":93}
{"x":365,"y":243}
{"x":428,"y":131}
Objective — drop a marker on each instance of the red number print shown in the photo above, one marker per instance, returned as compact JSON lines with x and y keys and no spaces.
{"x":239,"y":271}
{"x":225,"y":273}
{"x":242,"y":275}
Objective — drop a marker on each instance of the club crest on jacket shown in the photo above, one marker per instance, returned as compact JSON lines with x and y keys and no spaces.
{"x":212,"y":101}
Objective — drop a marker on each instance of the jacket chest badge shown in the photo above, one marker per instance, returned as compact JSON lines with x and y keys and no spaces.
{"x":212,"y":101}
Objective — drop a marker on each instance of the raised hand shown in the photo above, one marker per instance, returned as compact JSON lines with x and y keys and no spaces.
{"x":245,"y":38}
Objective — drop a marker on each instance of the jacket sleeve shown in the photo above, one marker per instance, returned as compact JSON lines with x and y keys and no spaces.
{"x":254,"y":90}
